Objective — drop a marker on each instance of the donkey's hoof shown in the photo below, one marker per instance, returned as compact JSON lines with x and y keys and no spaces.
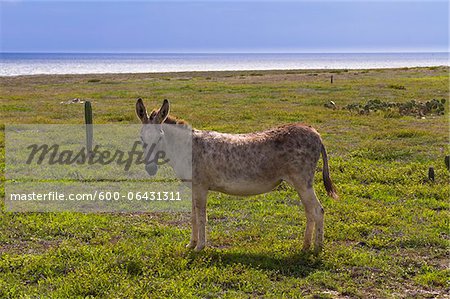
{"x":199,"y":247}
{"x":306,"y":249}
{"x":317,"y":250}
{"x":191,"y":245}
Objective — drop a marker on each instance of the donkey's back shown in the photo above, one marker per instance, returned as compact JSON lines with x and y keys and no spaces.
{"x":254,"y":163}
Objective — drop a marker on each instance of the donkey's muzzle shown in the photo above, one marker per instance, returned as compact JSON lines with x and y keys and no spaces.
{"x":151,"y":168}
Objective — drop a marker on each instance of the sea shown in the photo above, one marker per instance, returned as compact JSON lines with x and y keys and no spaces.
{"x":17,"y":64}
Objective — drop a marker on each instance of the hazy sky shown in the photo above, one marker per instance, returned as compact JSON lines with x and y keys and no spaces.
{"x":226,"y":26}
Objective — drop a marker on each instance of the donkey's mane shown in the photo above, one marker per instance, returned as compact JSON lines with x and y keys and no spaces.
{"x":175,"y":121}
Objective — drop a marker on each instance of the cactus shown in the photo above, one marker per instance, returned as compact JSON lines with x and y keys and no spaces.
{"x":89,"y":128}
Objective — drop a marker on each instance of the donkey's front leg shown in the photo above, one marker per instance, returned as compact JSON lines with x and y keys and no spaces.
{"x":199,"y":197}
{"x":194,"y":231}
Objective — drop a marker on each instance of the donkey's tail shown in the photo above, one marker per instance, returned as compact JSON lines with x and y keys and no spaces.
{"x":331,"y":190}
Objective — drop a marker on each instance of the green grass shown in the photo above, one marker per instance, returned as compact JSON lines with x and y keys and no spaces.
{"x":387,"y":235}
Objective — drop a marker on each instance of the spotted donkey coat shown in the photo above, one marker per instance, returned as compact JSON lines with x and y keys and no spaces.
{"x":249,"y":164}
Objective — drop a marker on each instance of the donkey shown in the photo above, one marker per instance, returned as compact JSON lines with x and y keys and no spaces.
{"x":245,"y":164}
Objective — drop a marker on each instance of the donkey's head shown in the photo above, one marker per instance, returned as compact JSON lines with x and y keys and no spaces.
{"x":152,"y":134}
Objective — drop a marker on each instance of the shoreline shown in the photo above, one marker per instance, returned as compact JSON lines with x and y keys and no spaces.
{"x":217,"y":72}
{"x":82,"y":64}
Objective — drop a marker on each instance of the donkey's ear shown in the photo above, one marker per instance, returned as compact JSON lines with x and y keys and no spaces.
{"x":163,"y":112}
{"x":141,"y":111}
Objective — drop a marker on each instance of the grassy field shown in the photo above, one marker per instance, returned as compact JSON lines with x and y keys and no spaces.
{"x":387,"y":235}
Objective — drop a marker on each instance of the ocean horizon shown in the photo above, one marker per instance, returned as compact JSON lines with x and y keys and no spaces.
{"x":17,"y":64}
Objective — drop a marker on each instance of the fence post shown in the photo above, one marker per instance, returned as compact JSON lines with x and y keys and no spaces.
{"x":431,"y":174}
{"x":89,"y":128}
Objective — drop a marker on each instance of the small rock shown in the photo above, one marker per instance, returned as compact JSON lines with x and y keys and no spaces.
{"x":73,"y":101}
{"x":330,"y":104}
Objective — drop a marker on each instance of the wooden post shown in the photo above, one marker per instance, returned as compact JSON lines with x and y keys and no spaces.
{"x":431,"y":174}
{"x":331,"y":79}
{"x":447,"y":162}
{"x":89,"y":128}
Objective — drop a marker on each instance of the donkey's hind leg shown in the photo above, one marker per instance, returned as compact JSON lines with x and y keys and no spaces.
{"x":314,"y":216}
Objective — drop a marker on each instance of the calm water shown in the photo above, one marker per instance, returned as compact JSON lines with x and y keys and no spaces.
{"x":14,"y":64}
